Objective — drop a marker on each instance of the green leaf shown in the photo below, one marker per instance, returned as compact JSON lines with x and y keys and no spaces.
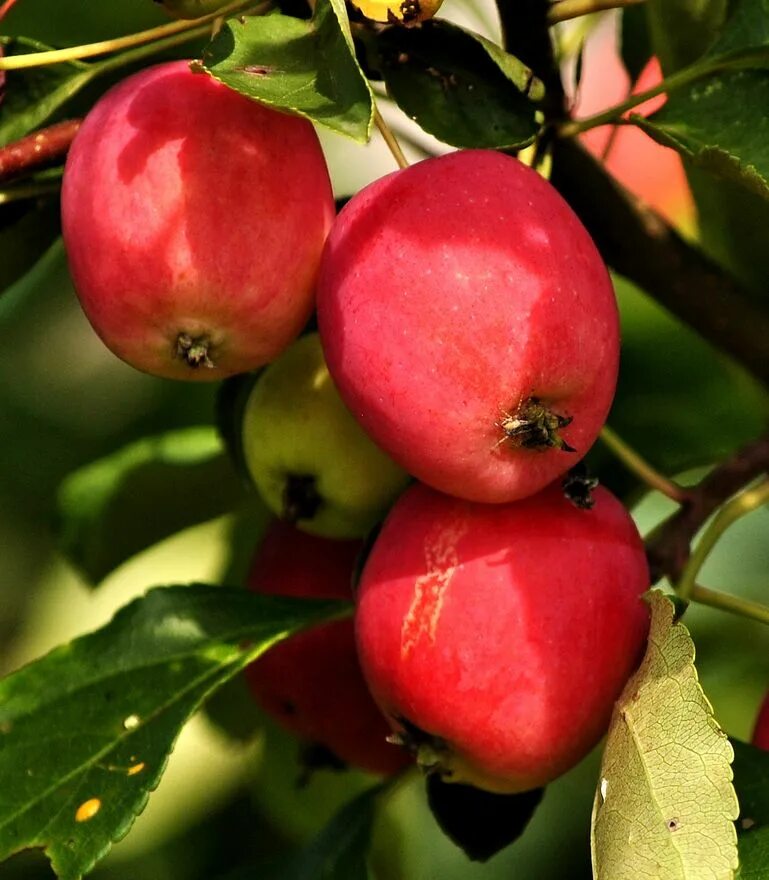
{"x":340,"y":850}
{"x":746,"y":34}
{"x":665,"y":805}
{"x":635,"y":40}
{"x":27,"y":230}
{"x":86,"y":731}
{"x":708,"y":405}
{"x":304,"y":67}
{"x":459,"y":87}
{"x":33,"y":95}
{"x":710,"y":123}
{"x":718,"y":120}
{"x":751,"y":779}
{"x":117,"y":506}
{"x":683,"y":30}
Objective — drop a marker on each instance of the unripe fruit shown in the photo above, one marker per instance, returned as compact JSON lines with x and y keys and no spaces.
{"x":194,"y":219}
{"x":193,"y":8}
{"x":311,"y":461}
{"x":470,"y":324}
{"x":761,"y":730}
{"x":408,"y":12}
{"x":496,"y":638}
{"x":312,"y":683}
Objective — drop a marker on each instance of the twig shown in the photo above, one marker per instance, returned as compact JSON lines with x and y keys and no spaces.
{"x":526,"y":34}
{"x":668,"y":548}
{"x":615,"y":113}
{"x":636,"y":242}
{"x":89,"y":50}
{"x":37,"y":150}
{"x":564,"y":10}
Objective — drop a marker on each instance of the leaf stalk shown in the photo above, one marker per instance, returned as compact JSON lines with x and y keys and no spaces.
{"x":390,"y":139}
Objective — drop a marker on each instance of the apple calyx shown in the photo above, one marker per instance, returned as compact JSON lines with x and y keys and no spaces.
{"x":194,"y":350}
{"x":435,"y":756}
{"x":534,"y":425}
{"x":301,"y":499}
{"x":578,"y":487}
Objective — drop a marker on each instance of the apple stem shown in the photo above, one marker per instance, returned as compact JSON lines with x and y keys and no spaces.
{"x":390,"y":139}
{"x":301,"y":499}
{"x":533,"y":425}
{"x":638,"y":465}
{"x":194,"y":351}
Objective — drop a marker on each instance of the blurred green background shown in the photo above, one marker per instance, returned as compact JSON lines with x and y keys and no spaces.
{"x":228,"y":801}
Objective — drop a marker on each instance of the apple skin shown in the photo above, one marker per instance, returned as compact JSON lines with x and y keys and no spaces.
{"x":296,"y":426}
{"x":761,"y":730}
{"x":452,"y":292}
{"x":193,"y":214}
{"x":312,"y":683}
{"x":497,"y":638}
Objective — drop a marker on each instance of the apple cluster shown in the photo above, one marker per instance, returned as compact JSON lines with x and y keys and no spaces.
{"x":465,"y":361}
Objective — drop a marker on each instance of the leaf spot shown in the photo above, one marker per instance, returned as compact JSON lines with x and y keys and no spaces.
{"x":673,"y":824}
{"x":258,"y":69}
{"x":137,"y":768}
{"x":604,"y":788}
{"x":87,"y":810}
{"x":747,"y":823}
{"x":132,"y":722}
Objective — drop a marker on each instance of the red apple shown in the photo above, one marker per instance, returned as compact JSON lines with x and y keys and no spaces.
{"x":496,"y":638}
{"x":312,"y":683}
{"x":761,"y":730}
{"x":469,"y":324}
{"x":194,"y":219}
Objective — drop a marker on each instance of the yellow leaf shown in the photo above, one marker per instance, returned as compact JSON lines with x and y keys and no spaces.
{"x":665,"y":805}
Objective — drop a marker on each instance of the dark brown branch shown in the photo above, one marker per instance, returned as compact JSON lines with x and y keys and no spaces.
{"x":639,"y":244}
{"x":526,"y":34}
{"x":668,"y":548}
{"x":37,"y":150}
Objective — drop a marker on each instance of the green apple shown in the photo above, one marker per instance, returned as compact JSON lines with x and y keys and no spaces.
{"x":310,"y":460}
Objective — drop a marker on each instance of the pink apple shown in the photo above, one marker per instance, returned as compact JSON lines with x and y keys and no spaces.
{"x":194,"y":219}
{"x":496,"y":638}
{"x":312,"y":683}
{"x":470,"y":325}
